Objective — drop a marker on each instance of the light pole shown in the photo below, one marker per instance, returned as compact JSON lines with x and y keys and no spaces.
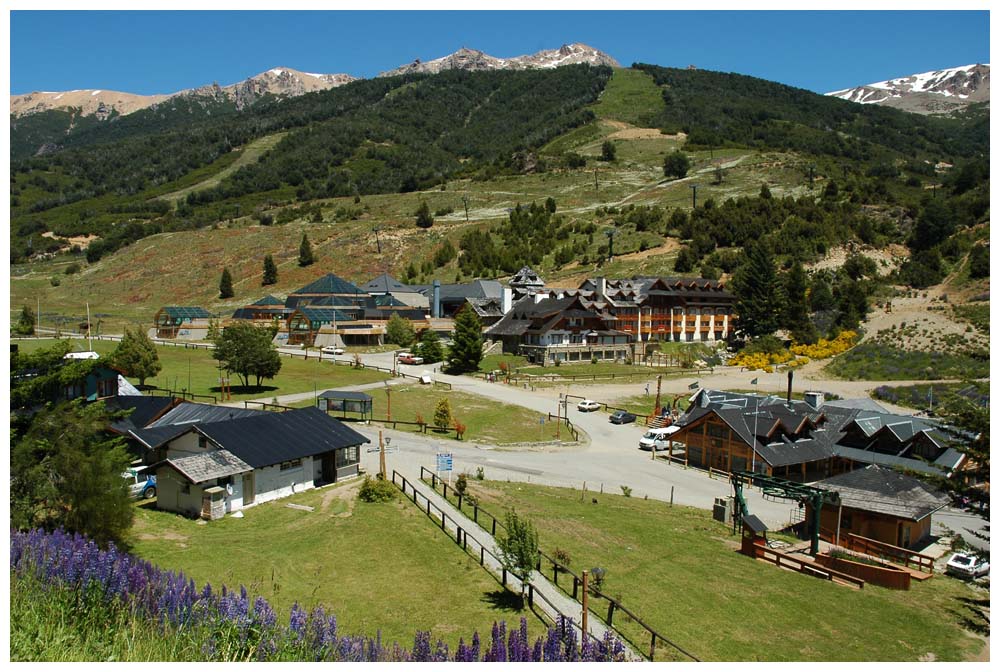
{"x":694,"y":196}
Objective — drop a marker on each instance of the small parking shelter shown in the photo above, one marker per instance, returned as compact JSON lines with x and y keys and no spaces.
{"x":346,"y":402}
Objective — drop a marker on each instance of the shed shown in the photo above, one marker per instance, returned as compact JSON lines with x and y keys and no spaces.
{"x":345,"y":402}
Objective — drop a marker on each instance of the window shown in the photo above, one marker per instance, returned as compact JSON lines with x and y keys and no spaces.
{"x":186,"y":488}
{"x":202,"y":442}
{"x":291,"y":464}
{"x":718,"y":431}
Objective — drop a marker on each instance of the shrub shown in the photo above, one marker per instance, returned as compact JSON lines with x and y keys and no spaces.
{"x":626,"y":491}
{"x":480,"y":474}
{"x":72,"y":268}
{"x":442,"y":414}
{"x":377,"y":490}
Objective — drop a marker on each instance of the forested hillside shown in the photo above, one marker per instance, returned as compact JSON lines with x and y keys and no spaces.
{"x":720,"y":109}
{"x":372,"y":136}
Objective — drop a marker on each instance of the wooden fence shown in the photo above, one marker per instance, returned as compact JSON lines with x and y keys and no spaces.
{"x":786,"y":561}
{"x":435,"y":513}
{"x":614,"y":605}
{"x":880,"y":549}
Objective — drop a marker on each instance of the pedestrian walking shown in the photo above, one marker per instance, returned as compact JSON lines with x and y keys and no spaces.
{"x":647,"y":389}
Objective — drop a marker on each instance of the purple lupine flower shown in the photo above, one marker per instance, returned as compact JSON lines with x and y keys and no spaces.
{"x":297,"y":622}
{"x":421,"y":647}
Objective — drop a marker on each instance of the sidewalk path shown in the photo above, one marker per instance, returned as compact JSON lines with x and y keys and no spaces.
{"x":547,"y":596}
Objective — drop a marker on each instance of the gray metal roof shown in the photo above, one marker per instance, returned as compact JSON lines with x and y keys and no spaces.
{"x":354,"y":396}
{"x":272,"y":438}
{"x":190,"y":412}
{"x":882,"y":490}
{"x":141,"y":410}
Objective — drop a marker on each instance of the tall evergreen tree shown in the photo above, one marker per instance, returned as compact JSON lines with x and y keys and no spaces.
{"x":270,"y":271}
{"x":608,"y":151}
{"x":26,"y":322}
{"x":467,"y":346}
{"x":305,"y":252}
{"x":430,"y":347}
{"x":136,"y":355}
{"x":758,"y":293}
{"x":797,"y":320}
{"x":226,"y":285}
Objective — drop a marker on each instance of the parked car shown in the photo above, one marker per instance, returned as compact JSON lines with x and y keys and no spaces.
{"x":333,"y":350}
{"x":622,"y":417}
{"x":657,"y":439}
{"x":967,"y":566}
{"x":588,"y":405}
{"x":141,"y":486}
{"x":411,"y":359}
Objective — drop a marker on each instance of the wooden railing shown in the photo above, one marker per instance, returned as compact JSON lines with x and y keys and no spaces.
{"x":435,"y":513}
{"x":786,"y":561}
{"x":880,"y":549}
{"x":492,"y":524}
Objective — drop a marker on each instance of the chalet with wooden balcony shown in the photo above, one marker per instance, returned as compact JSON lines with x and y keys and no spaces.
{"x":549,"y":330}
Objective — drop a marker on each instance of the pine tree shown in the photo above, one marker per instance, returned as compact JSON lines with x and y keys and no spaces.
{"x":26,"y":323}
{"x":305,"y":252}
{"x":136,"y":356}
{"x":796,"y":315}
{"x":467,"y":346}
{"x":270,"y":271}
{"x":226,"y":285}
{"x":423,"y":214}
{"x":758,"y":293}
{"x":765,"y":193}
{"x":430,"y":347}
{"x":608,"y":151}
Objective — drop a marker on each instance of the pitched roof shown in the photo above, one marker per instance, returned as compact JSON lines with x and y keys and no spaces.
{"x":268,"y":300}
{"x":190,"y":412}
{"x":882,"y":490}
{"x":385,"y":284}
{"x":186,"y":312}
{"x":317,"y":314}
{"x":142,"y":410}
{"x":273,"y":438}
{"x":353,"y":396}
{"x":329,"y":284}
{"x":477,"y":289}
{"x":154,"y":437}
{"x":205,"y":467}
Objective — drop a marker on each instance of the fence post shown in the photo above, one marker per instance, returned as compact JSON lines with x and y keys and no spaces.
{"x":458,"y":535}
{"x":494,"y":532}
{"x":652,"y":646}
{"x":504,"y":578}
{"x":434,"y":481}
{"x":482,"y":555}
{"x":445,"y":486}
{"x":575,"y":583}
{"x":531,"y":595}
{"x":475,"y":513}
{"x":428,"y":506}
{"x":611,"y":612}
{"x":442,"y":520}
{"x":459,"y":501}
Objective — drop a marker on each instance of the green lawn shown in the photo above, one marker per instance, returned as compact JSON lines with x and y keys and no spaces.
{"x":641,"y":404}
{"x":296,"y":375}
{"x":487,"y":420}
{"x":631,"y":96}
{"x":678,"y":570}
{"x":378,"y":567}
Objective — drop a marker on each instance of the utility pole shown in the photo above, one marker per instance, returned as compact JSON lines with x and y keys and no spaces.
{"x":583,"y":620}
{"x":381,"y":455}
{"x":595,"y":179}
{"x":378,"y":243}
{"x":656,"y":405}
{"x":694,"y":196}
{"x":465,"y":201}
{"x":388,"y":401}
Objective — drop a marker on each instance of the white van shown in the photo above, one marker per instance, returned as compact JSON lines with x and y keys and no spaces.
{"x":657,"y":439}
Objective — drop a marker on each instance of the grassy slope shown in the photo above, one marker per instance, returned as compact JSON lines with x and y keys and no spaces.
{"x":679,"y":571}
{"x":296,"y":375}
{"x":376,"y":566}
{"x":184,"y":268}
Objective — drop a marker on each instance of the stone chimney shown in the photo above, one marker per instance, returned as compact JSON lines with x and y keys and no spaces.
{"x":602,"y":288}
{"x":814,"y":400}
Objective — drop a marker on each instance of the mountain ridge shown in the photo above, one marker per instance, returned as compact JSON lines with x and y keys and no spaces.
{"x":933,"y":92}
{"x":287,"y":82}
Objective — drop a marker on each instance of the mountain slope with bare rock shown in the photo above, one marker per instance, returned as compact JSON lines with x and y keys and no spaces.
{"x":472,"y":59}
{"x":935,"y":92}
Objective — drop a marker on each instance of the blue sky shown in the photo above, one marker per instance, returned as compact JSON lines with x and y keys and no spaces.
{"x":162,"y":52}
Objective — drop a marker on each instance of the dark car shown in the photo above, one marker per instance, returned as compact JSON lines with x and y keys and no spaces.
{"x":622,"y":417}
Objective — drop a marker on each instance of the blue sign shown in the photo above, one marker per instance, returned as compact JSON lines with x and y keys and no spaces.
{"x":444,"y":461}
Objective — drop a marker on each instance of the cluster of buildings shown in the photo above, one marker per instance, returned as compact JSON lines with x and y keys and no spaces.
{"x":602,"y":319}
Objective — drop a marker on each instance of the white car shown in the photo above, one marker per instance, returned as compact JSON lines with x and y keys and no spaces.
{"x":588,"y":405}
{"x":141,"y":486}
{"x":657,"y":439}
{"x":333,"y":350}
{"x":967,"y":566}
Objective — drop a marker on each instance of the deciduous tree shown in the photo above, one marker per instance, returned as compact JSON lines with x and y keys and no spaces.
{"x":247,"y":350}
{"x":399,"y":331}
{"x":676,"y":164}
{"x":518,"y":547}
{"x":136,"y":355}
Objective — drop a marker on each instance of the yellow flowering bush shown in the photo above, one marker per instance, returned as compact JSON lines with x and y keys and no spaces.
{"x":824,"y":348}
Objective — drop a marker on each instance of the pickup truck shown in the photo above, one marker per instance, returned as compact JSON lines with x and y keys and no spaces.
{"x":407,"y":358}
